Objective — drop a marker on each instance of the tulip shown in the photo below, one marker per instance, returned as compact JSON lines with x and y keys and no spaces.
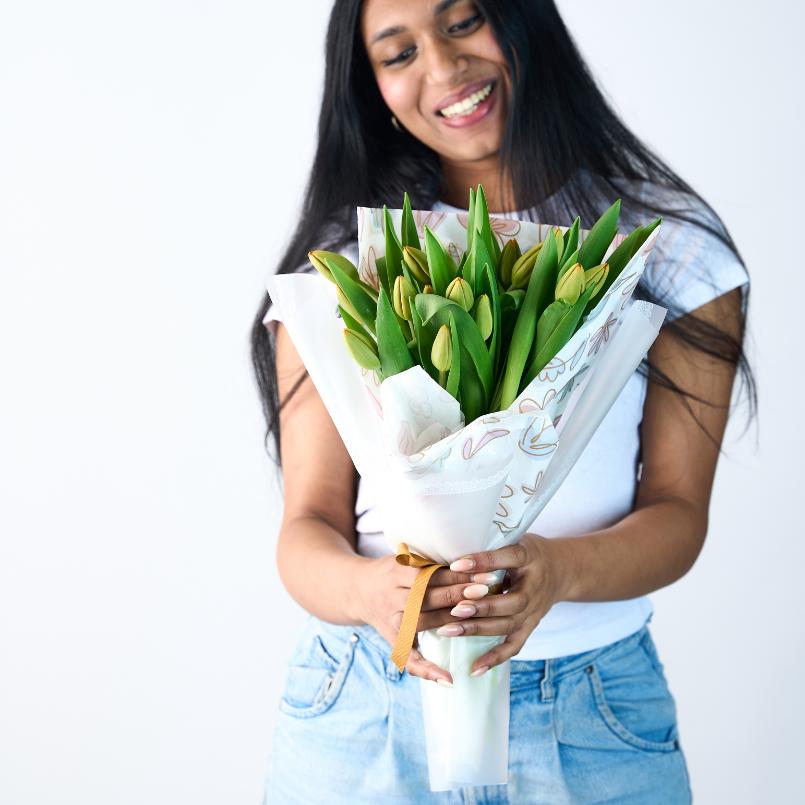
{"x":403,"y":293}
{"x":508,"y":257}
{"x":317,"y":256}
{"x":571,"y":284}
{"x":596,"y":277}
{"x":417,"y":264}
{"x":362,"y":349}
{"x":459,"y":291}
{"x":441,"y":353}
{"x":483,"y":316}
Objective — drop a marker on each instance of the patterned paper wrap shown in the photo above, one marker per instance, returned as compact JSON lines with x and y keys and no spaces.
{"x":447,"y":488}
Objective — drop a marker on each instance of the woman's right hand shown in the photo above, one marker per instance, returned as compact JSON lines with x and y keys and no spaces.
{"x":382,"y":587}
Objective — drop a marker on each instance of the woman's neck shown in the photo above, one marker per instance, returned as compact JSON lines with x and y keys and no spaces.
{"x":459,"y":177}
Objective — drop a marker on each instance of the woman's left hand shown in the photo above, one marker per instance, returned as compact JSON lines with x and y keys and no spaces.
{"x":535,"y":586}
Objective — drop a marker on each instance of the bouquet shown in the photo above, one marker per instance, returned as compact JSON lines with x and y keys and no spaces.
{"x":466,"y":362}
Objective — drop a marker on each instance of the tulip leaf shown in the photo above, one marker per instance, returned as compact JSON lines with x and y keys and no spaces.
{"x":392,"y":345}
{"x":441,"y":272}
{"x":563,"y":330}
{"x":353,"y":324}
{"x":489,"y":285}
{"x":470,"y":220}
{"x":483,"y":226}
{"x":424,"y":335}
{"x":473,"y":348}
{"x":599,"y":237}
{"x":365,"y":306}
{"x":393,"y":253}
{"x":572,"y":238}
{"x":408,"y":231}
{"x":454,"y":376}
{"x":540,"y":287}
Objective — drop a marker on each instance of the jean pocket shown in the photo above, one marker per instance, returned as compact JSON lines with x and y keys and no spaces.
{"x":632,"y":699}
{"x":317,"y":673}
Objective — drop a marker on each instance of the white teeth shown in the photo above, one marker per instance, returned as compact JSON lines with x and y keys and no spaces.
{"x":468,"y":104}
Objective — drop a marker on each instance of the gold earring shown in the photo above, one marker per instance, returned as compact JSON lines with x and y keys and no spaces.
{"x":395,"y":123}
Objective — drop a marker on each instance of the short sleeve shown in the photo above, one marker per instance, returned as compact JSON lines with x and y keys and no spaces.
{"x":273,"y":315}
{"x":690,"y":265}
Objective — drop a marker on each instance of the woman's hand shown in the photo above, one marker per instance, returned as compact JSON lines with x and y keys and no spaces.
{"x":381,"y":590}
{"x":535,"y":586}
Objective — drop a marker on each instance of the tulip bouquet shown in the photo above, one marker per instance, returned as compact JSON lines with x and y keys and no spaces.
{"x":465,"y":372}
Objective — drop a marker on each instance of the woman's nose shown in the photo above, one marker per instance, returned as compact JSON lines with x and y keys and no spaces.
{"x":444,"y":62}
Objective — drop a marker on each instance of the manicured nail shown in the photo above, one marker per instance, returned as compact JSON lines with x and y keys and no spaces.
{"x":480,"y":671}
{"x":484,"y":578}
{"x":463,"y":610}
{"x":450,"y":630}
{"x":462,"y":565}
{"x":476,"y":591}
{"x":445,"y":683}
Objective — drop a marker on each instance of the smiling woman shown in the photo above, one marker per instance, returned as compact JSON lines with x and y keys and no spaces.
{"x":433,"y":98}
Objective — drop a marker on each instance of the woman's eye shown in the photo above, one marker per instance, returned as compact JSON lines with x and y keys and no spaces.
{"x":464,"y":24}
{"x":399,"y":58}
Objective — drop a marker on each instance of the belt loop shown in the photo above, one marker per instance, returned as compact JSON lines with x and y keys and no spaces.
{"x":546,"y":686}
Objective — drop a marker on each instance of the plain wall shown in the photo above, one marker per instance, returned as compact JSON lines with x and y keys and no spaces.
{"x":152,"y":160}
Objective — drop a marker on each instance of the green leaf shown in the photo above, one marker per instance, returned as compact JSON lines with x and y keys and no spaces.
{"x":365,"y":306}
{"x":438,"y":262}
{"x":564,"y":326}
{"x":424,"y":335}
{"x":540,"y":287}
{"x":392,"y":345}
{"x":393,"y":252}
{"x":476,"y":363}
{"x":572,"y":238}
{"x":599,"y":237}
{"x":483,"y":226}
{"x":409,"y":234}
{"x":353,"y":324}
{"x":454,"y":376}
{"x":490,"y":286}
{"x":471,"y":220}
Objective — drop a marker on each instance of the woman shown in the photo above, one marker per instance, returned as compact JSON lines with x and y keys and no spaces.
{"x":433,"y":98}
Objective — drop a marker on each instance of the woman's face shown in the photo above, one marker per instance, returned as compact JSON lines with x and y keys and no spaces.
{"x":435,"y":61}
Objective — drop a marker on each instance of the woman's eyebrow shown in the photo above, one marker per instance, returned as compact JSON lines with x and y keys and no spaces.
{"x":440,"y":8}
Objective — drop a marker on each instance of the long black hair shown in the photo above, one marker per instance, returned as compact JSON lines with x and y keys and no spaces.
{"x":560,"y":134}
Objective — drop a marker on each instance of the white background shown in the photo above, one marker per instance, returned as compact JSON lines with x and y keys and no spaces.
{"x":152,"y":158}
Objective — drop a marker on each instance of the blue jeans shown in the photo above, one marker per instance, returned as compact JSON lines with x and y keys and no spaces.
{"x":594,"y":727}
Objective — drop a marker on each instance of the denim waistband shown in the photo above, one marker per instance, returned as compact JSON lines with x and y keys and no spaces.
{"x":552,"y":669}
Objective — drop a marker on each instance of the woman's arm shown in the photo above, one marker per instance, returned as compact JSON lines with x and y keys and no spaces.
{"x":660,"y":540}
{"x":655,"y":544}
{"x":316,"y":549}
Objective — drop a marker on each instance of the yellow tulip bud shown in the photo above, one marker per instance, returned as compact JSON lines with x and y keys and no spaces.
{"x":441,"y":353}
{"x":427,"y":289}
{"x":596,"y":276}
{"x":571,"y":284}
{"x":508,"y":257}
{"x":317,"y":256}
{"x":403,"y":293}
{"x":459,"y":291}
{"x":523,"y":266}
{"x":483,"y":316}
{"x":363,"y":350}
{"x":417,"y":263}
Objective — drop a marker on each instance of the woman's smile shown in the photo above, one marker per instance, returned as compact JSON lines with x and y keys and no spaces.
{"x":470,"y":109}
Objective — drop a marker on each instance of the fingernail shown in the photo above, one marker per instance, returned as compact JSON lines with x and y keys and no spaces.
{"x":450,"y":630}
{"x":476,"y":591}
{"x":463,"y":610}
{"x":462,"y":565}
{"x":480,"y":671}
{"x":444,"y":682}
{"x":484,"y":578}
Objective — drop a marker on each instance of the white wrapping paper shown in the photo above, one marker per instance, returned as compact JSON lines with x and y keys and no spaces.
{"x":447,"y":488}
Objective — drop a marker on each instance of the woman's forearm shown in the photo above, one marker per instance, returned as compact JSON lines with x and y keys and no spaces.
{"x":648,"y":549}
{"x":319,"y":567}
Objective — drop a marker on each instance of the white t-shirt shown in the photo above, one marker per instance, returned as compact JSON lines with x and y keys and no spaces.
{"x":605,"y":476}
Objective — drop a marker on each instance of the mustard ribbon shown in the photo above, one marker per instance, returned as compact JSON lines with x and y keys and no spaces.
{"x":413,"y":604}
